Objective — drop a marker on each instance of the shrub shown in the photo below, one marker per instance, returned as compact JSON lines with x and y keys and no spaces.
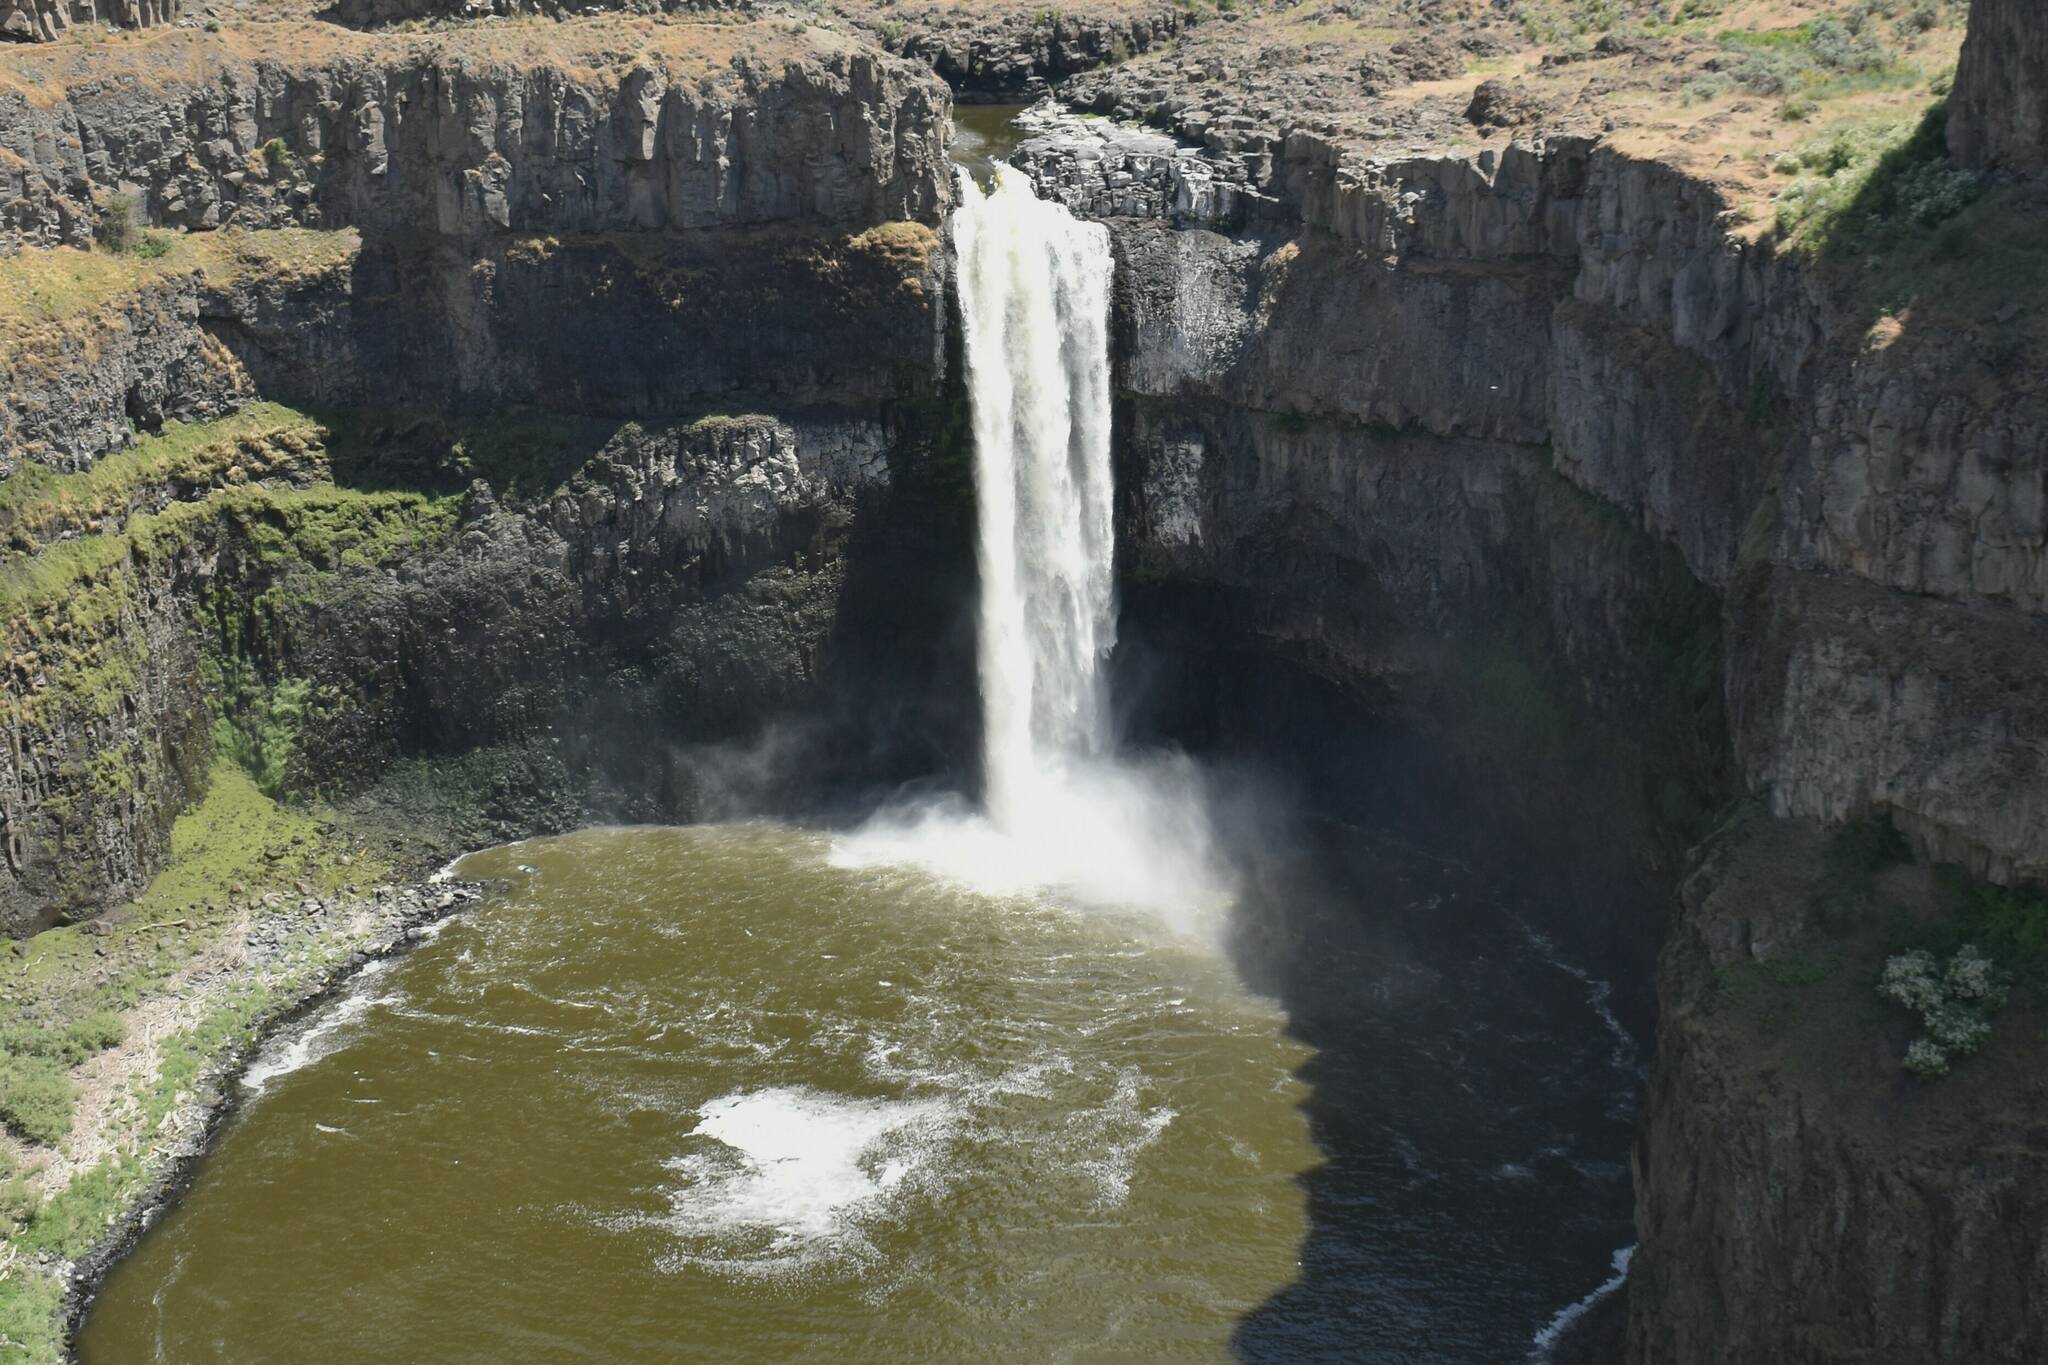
{"x":1925,"y":1060}
{"x":1936,"y":191}
{"x":98,"y":1031}
{"x":35,"y":1098}
{"x":1838,"y":49}
{"x":1955,"y":1001}
{"x":116,"y":230}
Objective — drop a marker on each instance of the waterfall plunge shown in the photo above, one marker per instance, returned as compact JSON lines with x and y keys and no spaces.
{"x":1034,"y":303}
{"x":1063,"y":812}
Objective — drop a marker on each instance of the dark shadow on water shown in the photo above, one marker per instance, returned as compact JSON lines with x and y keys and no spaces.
{"x":1475,"y":1077}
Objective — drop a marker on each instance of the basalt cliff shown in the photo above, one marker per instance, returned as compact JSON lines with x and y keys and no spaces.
{"x":495,"y":423}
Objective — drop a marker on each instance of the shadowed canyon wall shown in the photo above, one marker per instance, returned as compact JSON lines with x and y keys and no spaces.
{"x":1538,"y":442}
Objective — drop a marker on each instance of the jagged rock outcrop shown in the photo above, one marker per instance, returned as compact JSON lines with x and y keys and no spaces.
{"x":1021,"y":49}
{"x":1104,"y":169}
{"x":794,"y":319}
{"x":41,"y":21}
{"x":369,"y":13}
{"x":1998,"y":113}
{"x":403,"y":135}
{"x":75,"y":388}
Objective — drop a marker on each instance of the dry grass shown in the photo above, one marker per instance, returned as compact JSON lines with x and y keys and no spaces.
{"x":598,"y":49}
{"x":64,"y":284}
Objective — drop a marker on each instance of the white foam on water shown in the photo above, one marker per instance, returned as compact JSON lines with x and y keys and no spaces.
{"x":1116,"y":1133}
{"x":1625,"y":1054}
{"x":787,"y":1177}
{"x":320,"y":1035}
{"x":1561,"y":1322}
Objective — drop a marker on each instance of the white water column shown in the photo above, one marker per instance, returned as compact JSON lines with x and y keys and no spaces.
{"x":1034,"y":299}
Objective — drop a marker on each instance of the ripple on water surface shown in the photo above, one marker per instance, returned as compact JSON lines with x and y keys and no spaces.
{"x":700,"y":1093}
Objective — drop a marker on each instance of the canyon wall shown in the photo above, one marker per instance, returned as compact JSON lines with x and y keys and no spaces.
{"x":403,"y":135}
{"x":1538,"y":449}
{"x":672,"y":524}
{"x":1592,"y":319}
{"x":43,"y":21}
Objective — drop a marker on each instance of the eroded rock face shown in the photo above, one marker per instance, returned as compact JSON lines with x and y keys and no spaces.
{"x":1799,"y":1196}
{"x":1998,"y":114}
{"x":1004,"y":56}
{"x":1546,"y":402}
{"x":41,"y":21}
{"x":1595,"y":312}
{"x":369,"y":13}
{"x":411,"y":139}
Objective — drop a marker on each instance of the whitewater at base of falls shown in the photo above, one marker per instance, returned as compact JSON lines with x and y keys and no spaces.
{"x":1063,"y":812}
{"x":1113,"y":835}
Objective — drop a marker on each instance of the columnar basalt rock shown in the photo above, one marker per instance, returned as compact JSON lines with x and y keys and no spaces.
{"x":43,"y":21}
{"x":1011,"y":52}
{"x":1998,"y":115}
{"x":370,"y":13}
{"x":1549,"y":396}
{"x":792,"y":319}
{"x":1598,"y":311}
{"x":396,"y":136}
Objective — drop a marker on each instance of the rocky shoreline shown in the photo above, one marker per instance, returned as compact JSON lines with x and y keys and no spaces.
{"x":398,"y":918}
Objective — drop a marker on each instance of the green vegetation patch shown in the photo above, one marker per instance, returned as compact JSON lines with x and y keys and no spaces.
{"x":1910,"y":232}
{"x":69,"y":988}
{"x":262,"y":441}
{"x":1821,"y":59}
{"x":1873,"y":190}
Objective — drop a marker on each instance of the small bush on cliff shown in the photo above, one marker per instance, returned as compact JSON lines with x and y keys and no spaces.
{"x":1954,"y":999}
{"x":117,"y":229}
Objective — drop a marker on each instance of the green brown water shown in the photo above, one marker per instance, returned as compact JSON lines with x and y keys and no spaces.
{"x":699,"y":1094}
{"x":984,"y":134}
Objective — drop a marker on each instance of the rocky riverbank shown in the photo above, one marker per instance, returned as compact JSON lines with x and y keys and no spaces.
{"x":293,"y":951}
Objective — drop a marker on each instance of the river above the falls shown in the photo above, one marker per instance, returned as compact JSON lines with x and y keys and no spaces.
{"x":702,"y":1094}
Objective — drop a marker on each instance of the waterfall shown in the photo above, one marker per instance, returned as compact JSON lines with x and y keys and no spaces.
{"x":1034,"y":304}
{"x":1063,"y":809}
